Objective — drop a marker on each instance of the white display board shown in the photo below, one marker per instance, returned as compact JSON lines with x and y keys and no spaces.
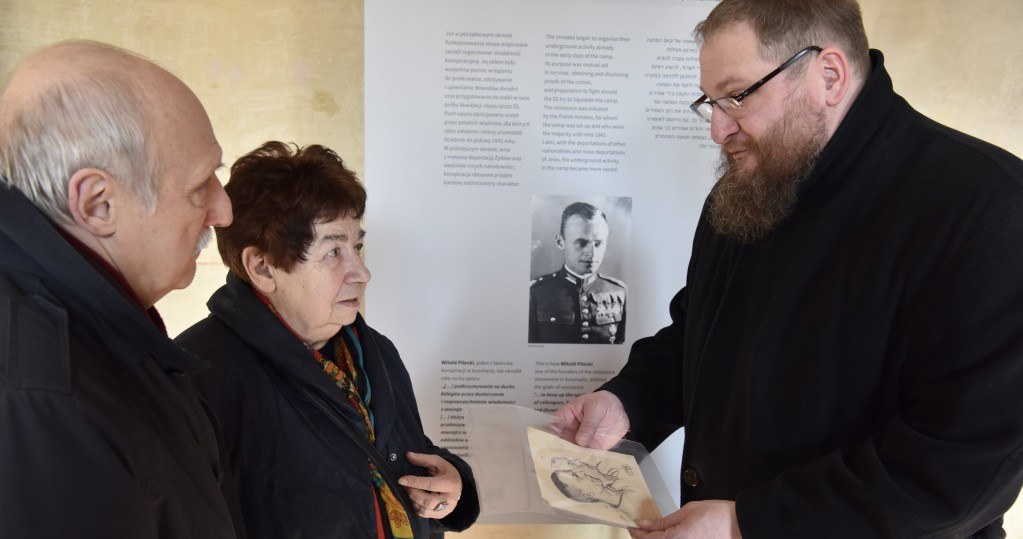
{"x":481,"y":113}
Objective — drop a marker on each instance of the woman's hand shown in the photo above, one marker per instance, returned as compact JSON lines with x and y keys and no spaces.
{"x":437,"y":495}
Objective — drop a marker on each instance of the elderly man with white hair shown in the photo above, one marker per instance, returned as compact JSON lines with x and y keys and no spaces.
{"x":108,"y":190}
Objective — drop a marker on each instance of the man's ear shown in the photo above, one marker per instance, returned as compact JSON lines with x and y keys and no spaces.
{"x":92,"y":198}
{"x":559,"y":240}
{"x":260,"y":272}
{"x":835,"y":75}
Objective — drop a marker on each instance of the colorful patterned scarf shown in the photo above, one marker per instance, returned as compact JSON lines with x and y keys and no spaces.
{"x":351,"y":377}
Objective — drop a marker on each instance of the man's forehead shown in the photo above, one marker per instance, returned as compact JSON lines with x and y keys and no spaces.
{"x":595,"y":227}
{"x":729,"y":57}
{"x":182,"y":136}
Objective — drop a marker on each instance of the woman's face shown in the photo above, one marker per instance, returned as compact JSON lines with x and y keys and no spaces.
{"x":319,"y":296}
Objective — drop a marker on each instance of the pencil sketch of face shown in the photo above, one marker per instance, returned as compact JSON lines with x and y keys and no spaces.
{"x":584,"y":482}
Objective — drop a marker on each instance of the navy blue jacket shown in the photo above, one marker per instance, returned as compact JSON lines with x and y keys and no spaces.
{"x":297,"y":474}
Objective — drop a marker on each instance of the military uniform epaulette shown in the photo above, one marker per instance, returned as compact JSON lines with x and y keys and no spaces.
{"x":612,"y":279}
{"x":542,"y":279}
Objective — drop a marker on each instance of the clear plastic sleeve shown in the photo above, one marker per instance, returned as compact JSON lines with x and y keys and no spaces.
{"x":526,"y":475}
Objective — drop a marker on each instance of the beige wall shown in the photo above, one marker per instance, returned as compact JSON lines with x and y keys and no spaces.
{"x":265,"y":70}
{"x":293,"y":71}
{"x":958,"y":61}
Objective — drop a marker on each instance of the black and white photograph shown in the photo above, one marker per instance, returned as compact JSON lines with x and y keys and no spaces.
{"x":577,"y":289}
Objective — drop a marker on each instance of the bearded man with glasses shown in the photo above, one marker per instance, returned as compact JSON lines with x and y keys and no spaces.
{"x":847,"y":353}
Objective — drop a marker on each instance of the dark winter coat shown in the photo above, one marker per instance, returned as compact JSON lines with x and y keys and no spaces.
{"x":297,"y":474}
{"x":858,"y":372}
{"x":101,"y":434}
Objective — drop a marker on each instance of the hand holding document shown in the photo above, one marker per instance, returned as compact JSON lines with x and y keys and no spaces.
{"x":526,"y":474}
{"x":599,"y":486}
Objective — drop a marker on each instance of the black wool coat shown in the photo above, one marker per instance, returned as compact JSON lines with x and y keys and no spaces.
{"x":858,"y":372}
{"x":297,"y":474}
{"x":101,"y":434}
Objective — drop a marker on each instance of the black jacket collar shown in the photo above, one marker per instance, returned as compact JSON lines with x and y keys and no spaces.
{"x":872,"y":109}
{"x":31,"y":244}
{"x":237,"y":306}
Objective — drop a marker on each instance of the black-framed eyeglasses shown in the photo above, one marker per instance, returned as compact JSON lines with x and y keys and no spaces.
{"x":732,"y":105}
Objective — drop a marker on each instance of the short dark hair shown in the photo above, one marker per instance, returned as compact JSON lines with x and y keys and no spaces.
{"x":784,"y":27}
{"x":582,"y":209}
{"x":279,"y":192}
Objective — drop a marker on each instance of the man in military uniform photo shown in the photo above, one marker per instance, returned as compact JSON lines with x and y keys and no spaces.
{"x":576,"y":304}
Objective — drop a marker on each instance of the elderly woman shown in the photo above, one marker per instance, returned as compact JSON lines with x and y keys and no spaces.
{"x":316,"y":407}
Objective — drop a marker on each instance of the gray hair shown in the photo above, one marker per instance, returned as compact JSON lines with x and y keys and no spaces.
{"x":94,"y":119}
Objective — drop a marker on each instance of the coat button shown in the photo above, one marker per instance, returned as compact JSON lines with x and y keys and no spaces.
{"x":690,"y":477}
{"x":394,"y":457}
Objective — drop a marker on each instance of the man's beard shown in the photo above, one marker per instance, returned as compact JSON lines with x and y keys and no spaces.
{"x":747,"y":205}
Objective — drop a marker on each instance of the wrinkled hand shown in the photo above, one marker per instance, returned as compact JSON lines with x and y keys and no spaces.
{"x":595,"y":420}
{"x":709,"y":519}
{"x":437,"y":495}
